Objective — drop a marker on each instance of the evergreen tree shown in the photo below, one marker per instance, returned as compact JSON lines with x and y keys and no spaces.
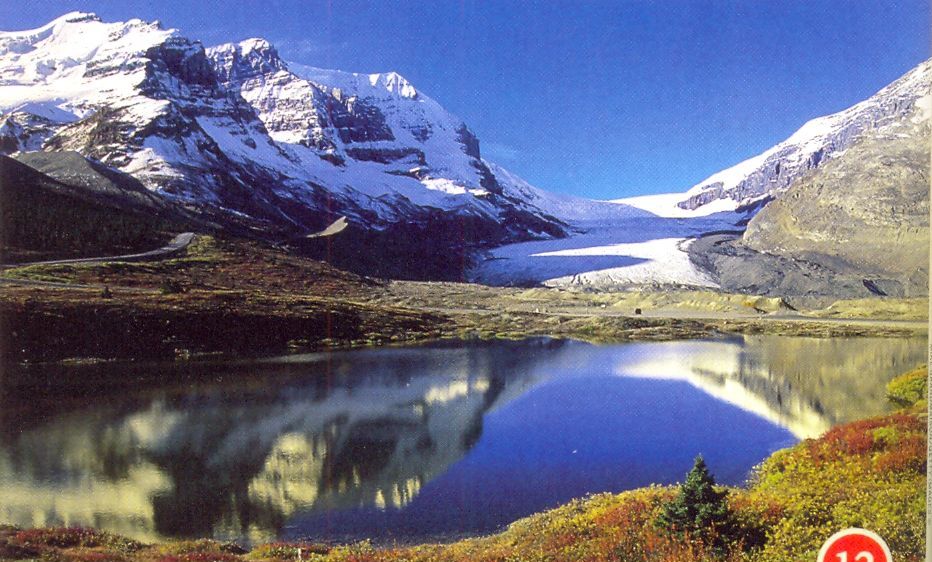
{"x":699,"y":510}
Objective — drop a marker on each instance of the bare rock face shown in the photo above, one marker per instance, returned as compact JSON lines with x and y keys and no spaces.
{"x":23,"y":132}
{"x":343,"y":116}
{"x":867,"y":209}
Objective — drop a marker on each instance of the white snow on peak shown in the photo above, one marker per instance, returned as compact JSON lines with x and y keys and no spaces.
{"x":416,"y":122}
{"x":378,"y":85}
{"x":247,"y":46}
{"x":925,"y":109}
{"x":394,"y":83}
{"x":814,"y":134}
{"x":30,"y":36}
{"x":75,"y":63}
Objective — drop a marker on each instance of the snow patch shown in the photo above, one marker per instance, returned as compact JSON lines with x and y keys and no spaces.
{"x":663,"y":261}
{"x":631,"y":251}
{"x":665,"y":205}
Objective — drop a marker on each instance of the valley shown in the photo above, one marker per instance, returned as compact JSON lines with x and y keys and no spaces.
{"x":236,"y":297}
{"x":245,"y":300}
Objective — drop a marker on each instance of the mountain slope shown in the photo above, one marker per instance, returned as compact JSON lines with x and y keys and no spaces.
{"x":772,"y":172}
{"x":857,"y":226}
{"x":247,"y":140}
{"x":868,"y":208}
{"x":45,"y":217}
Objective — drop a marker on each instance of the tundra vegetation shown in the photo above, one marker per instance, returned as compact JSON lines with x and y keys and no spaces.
{"x":232,"y":296}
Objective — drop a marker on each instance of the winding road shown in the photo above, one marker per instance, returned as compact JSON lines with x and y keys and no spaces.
{"x":176,"y":245}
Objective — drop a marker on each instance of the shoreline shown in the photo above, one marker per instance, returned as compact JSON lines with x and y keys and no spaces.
{"x":81,"y":327}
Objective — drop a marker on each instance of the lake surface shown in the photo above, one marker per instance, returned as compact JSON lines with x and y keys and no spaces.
{"x":414,"y":443}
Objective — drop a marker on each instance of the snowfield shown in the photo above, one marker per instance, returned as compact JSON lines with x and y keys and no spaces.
{"x":665,"y":205}
{"x":663,"y":261}
{"x":621,"y":252}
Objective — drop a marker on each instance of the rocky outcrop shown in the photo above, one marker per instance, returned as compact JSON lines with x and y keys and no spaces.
{"x":867,"y":210}
{"x":23,"y":132}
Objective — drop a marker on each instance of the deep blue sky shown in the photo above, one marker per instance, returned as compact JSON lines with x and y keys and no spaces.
{"x":602,"y":99}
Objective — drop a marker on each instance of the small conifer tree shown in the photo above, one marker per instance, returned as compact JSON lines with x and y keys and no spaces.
{"x":699,"y":510}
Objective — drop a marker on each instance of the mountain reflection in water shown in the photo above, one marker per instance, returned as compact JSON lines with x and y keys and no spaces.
{"x":299,"y":444}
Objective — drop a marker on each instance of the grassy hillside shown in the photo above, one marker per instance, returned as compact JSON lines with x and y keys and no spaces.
{"x":232,"y":297}
{"x":42,"y":218}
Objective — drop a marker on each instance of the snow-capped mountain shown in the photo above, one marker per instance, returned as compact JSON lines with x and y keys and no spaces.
{"x":772,"y":172}
{"x":248,"y":139}
{"x":364,"y":136}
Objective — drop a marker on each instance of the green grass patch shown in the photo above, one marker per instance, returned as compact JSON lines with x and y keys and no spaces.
{"x":52,"y":273}
{"x":909,"y":389}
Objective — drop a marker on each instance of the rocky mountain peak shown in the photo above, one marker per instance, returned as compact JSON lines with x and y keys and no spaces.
{"x":76,"y":17}
{"x":394,"y":83}
{"x":238,"y":62}
{"x":256,"y":143}
{"x":181,"y":59}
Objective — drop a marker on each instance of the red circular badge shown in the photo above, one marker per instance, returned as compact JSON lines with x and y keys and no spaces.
{"x":855,"y":545}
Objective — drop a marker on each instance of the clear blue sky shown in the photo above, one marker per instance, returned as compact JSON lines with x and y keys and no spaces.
{"x":602,"y":99}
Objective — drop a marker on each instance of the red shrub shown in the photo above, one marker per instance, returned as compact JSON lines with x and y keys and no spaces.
{"x":200,"y":557}
{"x":59,"y":537}
{"x":851,"y":439}
{"x":909,"y":453}
{"x":634,"y":511}
{"x":857,"y":438}
{"x":90,"y":556}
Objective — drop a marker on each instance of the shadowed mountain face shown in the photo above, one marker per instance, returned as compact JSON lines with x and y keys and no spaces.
{"x":857,"y":226}
{"x":63,"y":205}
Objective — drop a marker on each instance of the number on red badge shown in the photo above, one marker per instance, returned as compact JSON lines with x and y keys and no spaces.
{"x":855,"y":545}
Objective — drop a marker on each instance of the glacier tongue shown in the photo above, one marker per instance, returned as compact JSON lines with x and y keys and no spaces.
{"x":623,"y":252}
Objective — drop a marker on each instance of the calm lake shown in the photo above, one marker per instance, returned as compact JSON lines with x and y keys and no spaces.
{"x":412,"y":443}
